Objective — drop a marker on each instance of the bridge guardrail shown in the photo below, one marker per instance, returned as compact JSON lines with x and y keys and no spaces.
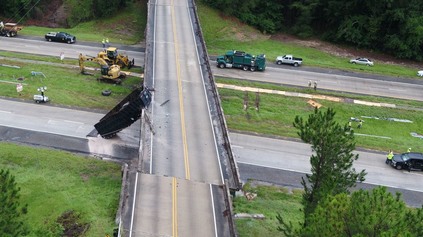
{"x":226,"y":143}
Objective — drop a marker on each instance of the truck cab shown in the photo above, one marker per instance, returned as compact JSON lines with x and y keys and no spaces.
{"x":240,"y":59}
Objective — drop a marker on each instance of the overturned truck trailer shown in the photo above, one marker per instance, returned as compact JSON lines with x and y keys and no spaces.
{"x":127,"y":112}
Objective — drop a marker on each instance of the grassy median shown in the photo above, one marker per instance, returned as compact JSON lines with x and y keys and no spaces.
{"x":53,"y":182}
{"x":277,"y":113}
{"x":65,"y":84}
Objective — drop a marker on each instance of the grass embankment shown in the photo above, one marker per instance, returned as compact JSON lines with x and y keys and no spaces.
{"x":65,"y":86}
{"x":126,"y":27}
{"x":53,"y":182}
{"x":277,"y":114}
{"x":270,"y":201}
{"x":222,"y":34}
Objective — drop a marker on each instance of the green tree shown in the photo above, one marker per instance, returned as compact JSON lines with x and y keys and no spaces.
{"x":11,"y":215}
{"x":364,"y":213}
{"x":331,"y":161}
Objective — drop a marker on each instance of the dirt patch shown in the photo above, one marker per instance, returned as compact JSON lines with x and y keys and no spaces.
{"x":53,"y":14}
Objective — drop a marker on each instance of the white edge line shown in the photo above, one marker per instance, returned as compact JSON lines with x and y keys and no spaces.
{"x":133,"y":205}
{"x":153,"y":84}
{"x":214,"y":211}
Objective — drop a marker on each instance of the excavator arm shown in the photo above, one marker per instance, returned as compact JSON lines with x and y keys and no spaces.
{"x":108,"y":72}
{"x":83,"y":58}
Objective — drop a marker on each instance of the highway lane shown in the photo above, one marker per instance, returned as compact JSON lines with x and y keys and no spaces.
{"x":71,"y":51}
{"x":273,"y":160}
{"x":294,"y":156}
{"x":177,"y":197}
{"x":59,"y":122}
{"x":330,"y":80}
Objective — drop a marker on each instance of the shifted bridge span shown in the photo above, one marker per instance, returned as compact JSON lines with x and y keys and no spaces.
{"x":186,"y":167}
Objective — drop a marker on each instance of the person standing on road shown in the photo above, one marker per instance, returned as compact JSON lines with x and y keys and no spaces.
{"x":103,"y":42}
{"x":389,"y":157}
{"x":309,"y":84}
{"x":107,"y":42}
{"x":315,"y":85}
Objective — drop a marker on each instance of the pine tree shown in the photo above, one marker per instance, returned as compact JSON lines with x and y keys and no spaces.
{"x":331,"y":161}
{"x":11,"y":223}
{"x":364,"y":213}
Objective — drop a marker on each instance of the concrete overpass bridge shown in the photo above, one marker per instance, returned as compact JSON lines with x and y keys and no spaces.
{"x":186,"y":168}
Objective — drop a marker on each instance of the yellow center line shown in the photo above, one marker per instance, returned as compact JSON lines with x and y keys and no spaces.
{"x":174,"y":209}
{"x":181,"y":101}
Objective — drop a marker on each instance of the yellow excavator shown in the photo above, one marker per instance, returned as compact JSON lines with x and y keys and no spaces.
{"x":108,"y":73}
{"x":112,"y":57}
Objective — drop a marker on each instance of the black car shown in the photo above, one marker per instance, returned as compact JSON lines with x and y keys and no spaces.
{"x":410,"y":160}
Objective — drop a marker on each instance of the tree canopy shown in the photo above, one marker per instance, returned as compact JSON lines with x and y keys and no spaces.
{"x":332,"y":158}
{"x":78,"y":10}
{"x":364,"y":213}
{"x":11,"y":223}
{"x":391,"y":26}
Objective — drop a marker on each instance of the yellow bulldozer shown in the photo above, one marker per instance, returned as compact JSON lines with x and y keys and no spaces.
{"x":112,"y":57}
{"x":110,"y":73}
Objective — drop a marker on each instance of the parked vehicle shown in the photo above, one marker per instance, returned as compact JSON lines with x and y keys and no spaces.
{"x":363,"y":61}
{"x":409,"y":160}
{"x":9,"y":29}
{"x":420,"y":73}
{"x":240,"y":59}
{"x":60,"y":37}
{"x":289,"y":59}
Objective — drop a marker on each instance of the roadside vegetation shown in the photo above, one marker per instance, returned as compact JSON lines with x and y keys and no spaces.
{"x":277,"y":113}
{"x":270,"y":201}
{"x":227,"y":33}
{"x":54,"y":182}
{"x":391,"y":27}
{"x":91,"y":187}
{"x":65,"y":84}
{"x":125,"y":27}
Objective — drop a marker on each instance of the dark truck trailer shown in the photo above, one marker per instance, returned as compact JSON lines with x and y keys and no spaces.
{"x":9,"y":29}
{"x":123,"y":115}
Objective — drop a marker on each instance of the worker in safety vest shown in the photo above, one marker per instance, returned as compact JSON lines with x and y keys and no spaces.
{"x":1,"y":25}
{"x":409,"y":150}
{"x":389,"y":157}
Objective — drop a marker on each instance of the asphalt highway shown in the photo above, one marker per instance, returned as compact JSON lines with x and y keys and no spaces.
{"x":333,"y":80}
{"x":270,"y":160}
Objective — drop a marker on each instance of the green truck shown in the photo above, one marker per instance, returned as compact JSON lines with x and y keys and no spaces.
{"x":240,"y":59}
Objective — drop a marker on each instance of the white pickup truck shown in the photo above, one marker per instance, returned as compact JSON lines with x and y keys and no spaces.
{"x":289,"y":59}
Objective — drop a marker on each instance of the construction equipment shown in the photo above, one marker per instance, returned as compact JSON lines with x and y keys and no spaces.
{"x":112,"y":57}
{"x":41,"y":98}
{"x":127,"y":112}
{"x":9,"y":29}
{"x":240,"y":59}
{"x":108,"y":73}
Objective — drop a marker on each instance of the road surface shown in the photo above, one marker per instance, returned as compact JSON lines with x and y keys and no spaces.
{"x":326,"y":79}
{"x":281,"y":162}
